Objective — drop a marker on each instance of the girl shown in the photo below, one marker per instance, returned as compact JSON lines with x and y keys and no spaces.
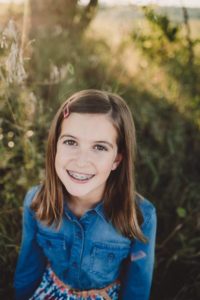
{"x":87,"y":234}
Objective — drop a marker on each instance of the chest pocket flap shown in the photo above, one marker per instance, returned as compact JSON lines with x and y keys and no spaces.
{"x":55,"y":248}
{"x":106,"y":259}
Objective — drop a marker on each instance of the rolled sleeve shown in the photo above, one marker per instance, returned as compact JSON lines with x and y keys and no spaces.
{"x":139,"y":269}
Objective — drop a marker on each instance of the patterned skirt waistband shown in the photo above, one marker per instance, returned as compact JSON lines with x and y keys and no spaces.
{"x":87,"y":293}
{"x":51,"y":286}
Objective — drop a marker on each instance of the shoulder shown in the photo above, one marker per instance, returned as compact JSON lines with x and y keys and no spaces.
{"x":31,"y":194}
{"x":147,"y":209}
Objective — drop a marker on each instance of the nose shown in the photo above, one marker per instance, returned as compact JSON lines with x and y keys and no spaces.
{"x":82,"y":158}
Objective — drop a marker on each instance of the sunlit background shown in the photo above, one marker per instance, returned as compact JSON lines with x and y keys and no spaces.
{"x":148,"y":55}
{"x":188,"y":3}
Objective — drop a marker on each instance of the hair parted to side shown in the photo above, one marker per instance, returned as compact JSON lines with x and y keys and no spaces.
{"x":119,"y":195}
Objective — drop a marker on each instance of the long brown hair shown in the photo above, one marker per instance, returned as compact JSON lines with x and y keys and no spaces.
{"x":119,"y":194}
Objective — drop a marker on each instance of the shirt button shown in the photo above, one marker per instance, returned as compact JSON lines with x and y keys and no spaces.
{"x":78,"y":234}
{"x":48,"y":243}
{"x":111,"y":256}
{"x":74,"y":264}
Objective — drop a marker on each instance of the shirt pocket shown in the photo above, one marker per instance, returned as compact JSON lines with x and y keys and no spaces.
{"x":106,"y":259}
{"x":55,"y":248}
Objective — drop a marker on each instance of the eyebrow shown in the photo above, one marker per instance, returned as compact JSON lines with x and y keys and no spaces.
{"x":95,"y":142}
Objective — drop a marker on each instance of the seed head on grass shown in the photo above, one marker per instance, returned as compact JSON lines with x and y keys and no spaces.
{"x":13,"y":61}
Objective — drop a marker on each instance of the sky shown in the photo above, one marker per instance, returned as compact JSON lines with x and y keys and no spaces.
{"x":188,"y":3}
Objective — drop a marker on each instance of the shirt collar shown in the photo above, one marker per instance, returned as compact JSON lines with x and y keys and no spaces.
{"x":99,"y":209}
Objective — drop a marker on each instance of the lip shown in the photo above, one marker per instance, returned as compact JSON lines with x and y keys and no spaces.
{"x":79,"y":181}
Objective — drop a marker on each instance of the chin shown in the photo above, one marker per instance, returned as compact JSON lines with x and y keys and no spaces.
{"x":75,"y":193}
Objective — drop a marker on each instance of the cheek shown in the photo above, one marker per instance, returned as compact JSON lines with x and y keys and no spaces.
{"x":58,"y":160}
{"x":60,"y":154}
{"x":65,"y":153}
{"x":106,"y":166}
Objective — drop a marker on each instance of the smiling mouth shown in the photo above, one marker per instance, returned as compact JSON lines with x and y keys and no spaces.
{"x":80,"y":176}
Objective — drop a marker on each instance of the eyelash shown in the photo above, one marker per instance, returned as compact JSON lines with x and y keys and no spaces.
{"x":102,"y":148}
{"x":71,"y":143}
{"x":68,"y":142}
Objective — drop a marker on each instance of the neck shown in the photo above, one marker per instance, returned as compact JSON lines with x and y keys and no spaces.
{"x":80,"y":206}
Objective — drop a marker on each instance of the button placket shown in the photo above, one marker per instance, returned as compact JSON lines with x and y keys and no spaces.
{"x":76,"y":250}
{"x":79,"y":234}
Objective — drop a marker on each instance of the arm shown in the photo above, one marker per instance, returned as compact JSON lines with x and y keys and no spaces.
{"x":31,"y":262}
{"x":139,"y":269}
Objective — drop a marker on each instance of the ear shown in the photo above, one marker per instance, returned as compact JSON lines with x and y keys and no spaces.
{"x":117,"y":161}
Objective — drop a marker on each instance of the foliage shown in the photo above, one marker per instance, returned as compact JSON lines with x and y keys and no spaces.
{"x":170,"y":45}
{"x":169,"y":154}
{"x":59,"y":58}
{"x":28,"y":101}
{"x":17,"y":149}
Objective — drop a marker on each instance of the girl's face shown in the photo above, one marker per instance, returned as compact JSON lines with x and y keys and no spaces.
{"x":86,"y":155}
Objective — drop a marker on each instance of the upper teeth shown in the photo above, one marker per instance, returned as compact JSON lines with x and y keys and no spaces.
{"x":79,"y":176}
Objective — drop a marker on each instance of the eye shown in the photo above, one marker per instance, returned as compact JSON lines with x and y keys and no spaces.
{"x":69,"y":142}
{"x":100,"y":148}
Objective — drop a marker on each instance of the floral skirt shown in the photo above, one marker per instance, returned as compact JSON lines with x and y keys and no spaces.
{"x":51,"y":288}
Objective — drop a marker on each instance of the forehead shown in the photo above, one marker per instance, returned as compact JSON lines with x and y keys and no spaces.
{"x":90,"y":127}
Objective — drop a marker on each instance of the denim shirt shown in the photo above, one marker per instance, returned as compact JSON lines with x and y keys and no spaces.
{"x":86,"y":253}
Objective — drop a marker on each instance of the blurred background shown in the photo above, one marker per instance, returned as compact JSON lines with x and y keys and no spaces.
{"x":147,"y":53}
